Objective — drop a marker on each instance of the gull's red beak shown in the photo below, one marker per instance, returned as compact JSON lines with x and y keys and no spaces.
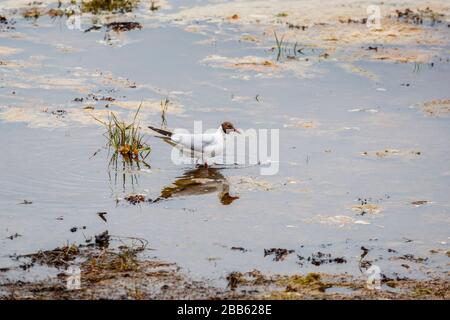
{"x":237,"y":131}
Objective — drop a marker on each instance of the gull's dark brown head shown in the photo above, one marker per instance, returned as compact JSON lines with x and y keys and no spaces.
{"x":228,"y":127}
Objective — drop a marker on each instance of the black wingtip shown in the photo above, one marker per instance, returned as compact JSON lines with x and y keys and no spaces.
{"x":161,"y":131}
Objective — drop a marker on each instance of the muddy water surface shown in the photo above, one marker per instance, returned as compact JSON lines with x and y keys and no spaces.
{"x":363,"y":161}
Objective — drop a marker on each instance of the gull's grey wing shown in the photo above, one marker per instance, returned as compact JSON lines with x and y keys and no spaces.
{"x":197,"y":142}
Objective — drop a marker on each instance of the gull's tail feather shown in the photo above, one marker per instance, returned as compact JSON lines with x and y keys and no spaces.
{"x":161,"y":131}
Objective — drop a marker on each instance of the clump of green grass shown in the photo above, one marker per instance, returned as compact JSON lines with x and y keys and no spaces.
{"x":282,"y":14}
{"x":285,"y":49}
{"x":164,"y":107}
{"x":115,"y":6}
{"x":279,"y":43}
{"x":126,"y":139}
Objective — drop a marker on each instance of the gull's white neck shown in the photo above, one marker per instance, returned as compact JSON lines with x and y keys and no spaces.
{"x":219,"y":131}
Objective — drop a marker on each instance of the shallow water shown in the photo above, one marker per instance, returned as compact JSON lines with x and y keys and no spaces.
{"x":48,"y":159}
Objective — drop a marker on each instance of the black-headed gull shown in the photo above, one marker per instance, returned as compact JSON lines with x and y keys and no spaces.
{"x":199,"y":145}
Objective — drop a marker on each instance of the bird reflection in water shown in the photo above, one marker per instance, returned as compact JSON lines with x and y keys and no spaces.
{"x":197,"y":182}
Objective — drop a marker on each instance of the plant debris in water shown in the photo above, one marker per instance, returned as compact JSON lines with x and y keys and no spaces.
{"x":411,"y":258}
{"x":6,"y":24}
{"x":32,"y":13}
{"x":59,"y":113}
{"x":437,"y":107}
{"x":135,"y":198}
{"x":392,"y":153}
{"x":94,"y":97}
{"x":120,"y":273}
{"x":102,"y":216}
{"x":419,"y":202}
{"x":58,"y":257}
{"x":365,"y":208}
{"x":123,"y":26}
{"x":279,"y":253}
{"x":419,"y":16}
{"x":108,"y":273}
{"x":14,"y":236}
{"x":102,"y":239}
{"x":315,"y":286}
{"x":242,"y":249}
{"x":320,"y":258}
